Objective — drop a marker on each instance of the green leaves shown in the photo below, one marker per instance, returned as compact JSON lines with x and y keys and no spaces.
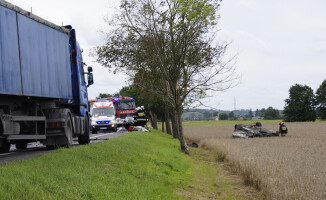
{"x":271,"y":113}
{"x":300,"y":106}
{"x":321,"y":100}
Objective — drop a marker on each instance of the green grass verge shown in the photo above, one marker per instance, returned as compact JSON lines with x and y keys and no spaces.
{"x":225,"y":122}
{"x":134,"y":166}
{"x":211,"y":181}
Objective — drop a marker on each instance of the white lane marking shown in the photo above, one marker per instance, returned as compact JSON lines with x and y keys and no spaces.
{"x":3,"y":154}
{"x":100,"y":135}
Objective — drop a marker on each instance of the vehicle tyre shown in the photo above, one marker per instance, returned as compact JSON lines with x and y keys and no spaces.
{"x":84,"y":139}
{"x":5,"y":146}
{"x":94,"y":131}
{"x":68,"y":131}
{"x":21,"y":145}
{"x":115,"y":129}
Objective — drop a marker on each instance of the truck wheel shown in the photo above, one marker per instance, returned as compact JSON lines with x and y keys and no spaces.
{"x":21,"y":145}
{"x":84,"y":139}
{"x":68,"y":131}
{"x":4,"y":146}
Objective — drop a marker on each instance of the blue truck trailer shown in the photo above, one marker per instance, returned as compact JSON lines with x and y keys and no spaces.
{"x":43,"y":83}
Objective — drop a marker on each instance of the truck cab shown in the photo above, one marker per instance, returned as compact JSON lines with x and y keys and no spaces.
{"x":103,"y":116}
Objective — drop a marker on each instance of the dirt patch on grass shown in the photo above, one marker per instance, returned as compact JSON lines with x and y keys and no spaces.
{"x":212,"y":181}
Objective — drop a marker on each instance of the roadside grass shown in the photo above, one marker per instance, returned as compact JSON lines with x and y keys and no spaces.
{"x":226,"y":122}
{"x":134,"y":166}
{"x":212,"y":181}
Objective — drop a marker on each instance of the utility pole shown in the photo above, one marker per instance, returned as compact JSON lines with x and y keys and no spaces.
{"x":235,"y":104}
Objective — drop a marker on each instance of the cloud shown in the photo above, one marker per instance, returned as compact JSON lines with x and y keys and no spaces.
{"x":249,"y":4}
{"x":279,"y":44}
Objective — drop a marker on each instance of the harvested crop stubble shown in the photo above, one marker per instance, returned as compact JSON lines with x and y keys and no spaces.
{"x":292,"y":167}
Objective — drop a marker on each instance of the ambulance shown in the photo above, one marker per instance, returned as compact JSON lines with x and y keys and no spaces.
{"x":103,"y":116}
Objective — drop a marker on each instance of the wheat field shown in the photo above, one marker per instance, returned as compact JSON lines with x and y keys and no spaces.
{"x":292,"y":167}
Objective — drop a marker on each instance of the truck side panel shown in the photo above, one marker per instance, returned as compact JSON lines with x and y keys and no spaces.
{"x":10,"y":79}
{"x":45,"y":60}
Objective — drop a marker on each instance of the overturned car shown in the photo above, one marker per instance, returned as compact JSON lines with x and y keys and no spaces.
{"x":252,"y":130}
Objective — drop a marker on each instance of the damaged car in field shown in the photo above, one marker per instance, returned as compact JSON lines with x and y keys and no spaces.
{"x":252,"y":130}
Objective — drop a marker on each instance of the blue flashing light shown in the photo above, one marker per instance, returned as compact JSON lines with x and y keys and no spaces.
{"x":103,"y":122}
{"x":116,"y":99}
{"x":131,"y":98}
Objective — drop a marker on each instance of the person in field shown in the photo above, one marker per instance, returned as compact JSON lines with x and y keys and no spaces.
{"x":283,"y":129}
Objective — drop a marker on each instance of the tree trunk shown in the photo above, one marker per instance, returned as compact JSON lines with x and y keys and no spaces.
{"x":153,"y":120}
{"x":167,"y":120}
{"x":175,"y":128}
{"x":183,"y":144}
{"x":163,"y":125}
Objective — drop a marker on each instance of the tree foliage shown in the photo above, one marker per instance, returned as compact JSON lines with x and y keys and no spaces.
{"x":231,"y":115}
{"x":260,"y":112}
{"x":104,"y":95}
{"x":300,"y":106}
{"x":167,"y":48}
{"x":271,"y":113}
{"x":223,"y":116}
{"x":321,"y":100}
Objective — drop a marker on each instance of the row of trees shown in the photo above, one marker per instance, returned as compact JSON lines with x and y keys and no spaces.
{"x":269,"y":113}
{"x":305,"y":105}
{"x":169,"y":51}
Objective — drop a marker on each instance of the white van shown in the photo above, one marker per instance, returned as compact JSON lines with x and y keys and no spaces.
{"x":103,"y":116}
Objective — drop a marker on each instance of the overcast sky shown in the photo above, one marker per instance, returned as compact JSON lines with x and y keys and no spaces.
{"x":278,"y":43}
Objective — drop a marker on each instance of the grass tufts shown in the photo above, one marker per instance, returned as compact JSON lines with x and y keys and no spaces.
{"x":291,"y":167}
{"x":134,"y":166}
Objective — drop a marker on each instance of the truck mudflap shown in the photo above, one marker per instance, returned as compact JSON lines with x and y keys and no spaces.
{"x":4,"y":145}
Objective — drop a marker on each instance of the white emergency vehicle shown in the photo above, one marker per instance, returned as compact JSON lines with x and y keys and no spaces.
{"x":103,"y":116}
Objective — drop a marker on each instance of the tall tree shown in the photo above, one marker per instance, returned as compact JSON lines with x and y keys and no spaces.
{"x":260,"y":112}
{"x":300,"y":106}
{"x":271,"y":113}
{"x":223,"y":116}
{"x":250,"y":114}
{"x":169,"y":45}
{"x":321,"y":100}
{"x":231,"y":115}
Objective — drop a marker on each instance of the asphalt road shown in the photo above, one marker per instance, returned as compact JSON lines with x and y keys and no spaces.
{"x":37,"y":149}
